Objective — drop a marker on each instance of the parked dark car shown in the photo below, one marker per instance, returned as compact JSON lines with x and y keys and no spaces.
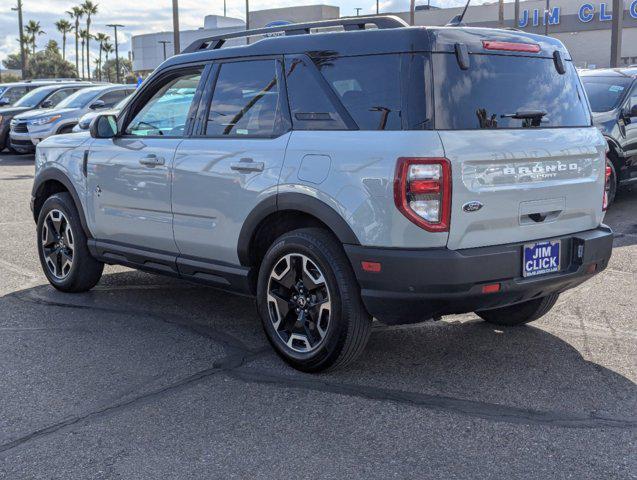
{"x":613,"y":97}
{"x":43,"y":97}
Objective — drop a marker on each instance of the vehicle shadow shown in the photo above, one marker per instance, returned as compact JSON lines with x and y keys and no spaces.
{"x":463,"y":365}
{"x":622,"y":216}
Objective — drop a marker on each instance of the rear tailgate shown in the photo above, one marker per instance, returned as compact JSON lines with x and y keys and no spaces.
{"x":531,"y":183}
{"x":515,"y":124}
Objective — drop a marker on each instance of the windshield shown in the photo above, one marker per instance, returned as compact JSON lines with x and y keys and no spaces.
{"x":79,"y":99}
{"x":34,"y":97}
{"x":506,"y":91}
{"x":605,"y":93}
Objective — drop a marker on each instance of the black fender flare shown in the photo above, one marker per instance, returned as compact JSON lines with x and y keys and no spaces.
{"x":615,"y":144}
{"x":58,"y":176}
{"x":297,"y":202}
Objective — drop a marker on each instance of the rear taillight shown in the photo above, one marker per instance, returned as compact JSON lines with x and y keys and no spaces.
{"x":510,"y":46}
{"x":422,"y":192}
{"x":606,"y":187}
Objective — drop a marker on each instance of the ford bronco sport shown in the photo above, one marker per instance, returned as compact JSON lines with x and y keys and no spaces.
{"x":388,"y":172}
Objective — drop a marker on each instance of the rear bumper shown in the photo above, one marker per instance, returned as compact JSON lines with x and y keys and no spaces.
{"x":414,"y":285}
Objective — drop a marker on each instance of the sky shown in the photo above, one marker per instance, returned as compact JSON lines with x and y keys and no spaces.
{"x":156,"y":16}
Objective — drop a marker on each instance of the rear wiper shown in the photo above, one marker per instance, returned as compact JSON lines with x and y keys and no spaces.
{"x":522,"y":114}
{"x":533,"y":117}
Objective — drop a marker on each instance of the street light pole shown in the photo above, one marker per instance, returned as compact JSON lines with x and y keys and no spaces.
{"x":23,"y":59}
{"x":176,"y":27}
{"x":115,"y":26}
{"x":546,"y":19}
{"x":358,"y":11}
{"x":163,"y":44}
{"x":224,"y":8}
{"x":377,"y":7}
{"x":616,"y":33}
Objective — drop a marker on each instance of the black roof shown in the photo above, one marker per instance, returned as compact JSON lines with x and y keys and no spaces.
{"x":611,"y":72}
{"x":377,"y":41}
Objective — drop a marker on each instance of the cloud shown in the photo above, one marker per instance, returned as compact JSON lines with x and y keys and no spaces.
{"x":141,"y":16}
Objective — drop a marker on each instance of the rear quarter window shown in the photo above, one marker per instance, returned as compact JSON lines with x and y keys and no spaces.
{"x":495,"y":87}
{"x":368,"y":87}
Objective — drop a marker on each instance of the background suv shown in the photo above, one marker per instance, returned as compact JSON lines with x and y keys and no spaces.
{"x":12,"y":92}
{"x":613,"y":97}
{"x":397,"y":173}
{"x":29,"y":128}
{"x":38,"y":98}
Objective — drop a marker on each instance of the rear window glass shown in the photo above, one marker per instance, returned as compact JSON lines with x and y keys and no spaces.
{"x":368,"y":87}
{"x":496,"y":88}
{"x":605,"y":93}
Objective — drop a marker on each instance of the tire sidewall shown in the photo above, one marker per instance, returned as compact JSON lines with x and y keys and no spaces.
{"x":63,"y":203}
{"x":335,"y":338}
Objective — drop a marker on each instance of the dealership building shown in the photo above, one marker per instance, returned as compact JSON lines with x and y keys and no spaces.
{"x":584,"y":26}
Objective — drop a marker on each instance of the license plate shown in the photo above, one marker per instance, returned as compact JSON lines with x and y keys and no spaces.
{"x":541,"y":258}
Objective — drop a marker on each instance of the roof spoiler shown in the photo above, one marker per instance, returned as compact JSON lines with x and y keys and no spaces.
{"x":348,"y":23}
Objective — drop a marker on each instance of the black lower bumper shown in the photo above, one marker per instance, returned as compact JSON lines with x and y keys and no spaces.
{"x":22,"y":146}
{"x":415,"y":285}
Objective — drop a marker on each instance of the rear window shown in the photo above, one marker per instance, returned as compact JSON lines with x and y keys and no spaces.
{"x":496,"y":88}
{"x":605,"y":93}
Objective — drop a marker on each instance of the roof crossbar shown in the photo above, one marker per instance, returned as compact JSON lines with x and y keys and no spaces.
{"x":348,"y":23}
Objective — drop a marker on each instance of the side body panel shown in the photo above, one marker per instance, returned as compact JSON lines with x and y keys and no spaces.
{"x":217,"y":182}
{"x":127,"y":201}
{"x":352,"y":172}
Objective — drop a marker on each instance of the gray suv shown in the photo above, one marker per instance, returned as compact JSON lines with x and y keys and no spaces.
{"x":394,"y":173}
{"x":30,"y":128}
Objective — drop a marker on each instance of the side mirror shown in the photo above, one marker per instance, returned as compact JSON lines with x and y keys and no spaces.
{"x":633,"y":111}
{"x":97,"y":104}
{"x":103,"y":126}
{"x":4,"y":102}
{"x":46,"y":104}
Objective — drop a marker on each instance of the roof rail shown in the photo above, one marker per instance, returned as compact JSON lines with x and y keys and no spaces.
{"x":348,"y":23}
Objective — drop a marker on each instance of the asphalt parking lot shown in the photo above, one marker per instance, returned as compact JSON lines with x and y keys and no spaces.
{"x":151,"y":377}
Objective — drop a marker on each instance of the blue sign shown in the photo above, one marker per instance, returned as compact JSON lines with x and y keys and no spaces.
{"x":585,"y":14}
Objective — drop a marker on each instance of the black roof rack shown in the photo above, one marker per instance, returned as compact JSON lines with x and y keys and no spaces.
{"x":348,"y":23}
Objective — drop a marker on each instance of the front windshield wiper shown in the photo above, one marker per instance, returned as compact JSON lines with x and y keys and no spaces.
{"x":533,"y":117}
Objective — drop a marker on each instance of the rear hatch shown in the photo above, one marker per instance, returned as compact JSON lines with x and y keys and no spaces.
{"x":526,"y":163}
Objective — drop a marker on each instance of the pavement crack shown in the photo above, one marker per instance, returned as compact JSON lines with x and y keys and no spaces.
{"x":473,"y":408}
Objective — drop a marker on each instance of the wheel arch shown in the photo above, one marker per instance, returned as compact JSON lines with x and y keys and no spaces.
{"x":50,"y":182}
{"x":283,"y":212}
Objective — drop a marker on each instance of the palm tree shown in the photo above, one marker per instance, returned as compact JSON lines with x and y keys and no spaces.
{"x":76,"y":13}
{"x":33,"y":30}
{"x":96,"y":61}
{"x":83,"y":37}
{"x":108,"y":48}
{"x":101,"y":38}
{"x":89,"y":9}
{"x":64,"y":27}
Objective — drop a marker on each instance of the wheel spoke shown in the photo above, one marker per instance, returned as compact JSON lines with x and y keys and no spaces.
{"x":312,"y":276}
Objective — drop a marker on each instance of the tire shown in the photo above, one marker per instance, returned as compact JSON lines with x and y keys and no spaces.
{"x":62,"y":246}
{"x":327,"y":309}
{"x":519,"y":313}
{"x":613,"y":181}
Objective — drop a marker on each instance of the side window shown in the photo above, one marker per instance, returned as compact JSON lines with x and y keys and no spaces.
{"x":113,"y":97}
{"x":245,"y":100}
{"x":166,"y":112}
{"x":57,"y":97}
{"x":310,"y":108}
{"x":14,"y":94}
{"x":369,"y":88}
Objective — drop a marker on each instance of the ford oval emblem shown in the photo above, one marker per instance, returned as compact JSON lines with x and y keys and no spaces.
{"x":472,"y":206}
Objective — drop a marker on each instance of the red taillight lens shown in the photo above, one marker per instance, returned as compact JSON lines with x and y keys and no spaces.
{"x":422,"y":192}
{"x":606,"y":187}
{"x":510,"y":46}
